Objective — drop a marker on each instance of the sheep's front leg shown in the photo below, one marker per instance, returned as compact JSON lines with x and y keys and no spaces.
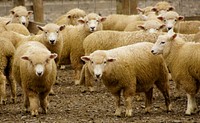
{"x":44,"y":102}
{"x":118,"y":108}
{"x":33,"y":98}
{"x":148,"y":101}
{"x":191,"y":104}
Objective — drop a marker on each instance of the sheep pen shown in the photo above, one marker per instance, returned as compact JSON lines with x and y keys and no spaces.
{"x":73,"y":104}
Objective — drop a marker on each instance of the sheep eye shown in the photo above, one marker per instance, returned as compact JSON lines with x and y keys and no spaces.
{"x":175,"y":20}
{"x":92,"y":62}
{"x":57,"y":31}
{"x":162,"y":42}
{"x":104,"y":62}
{"x":17,"y":16}
{"x":45,"y":32}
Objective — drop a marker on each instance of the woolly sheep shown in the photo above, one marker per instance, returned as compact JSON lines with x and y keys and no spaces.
{"x":172,"y":21}
{"x":73,"y":37}
{"x":19,"y":14}
{"x":19,"y":28}
{"x":35,"y":71}
{"x":52,"y":38}
{"x":183,"y":63}
{"x":6,"y":59}
{"x":150,"y":25}
{"x":71,"y":17}
{"x":130,"y":69}
{"x":162,"y":7}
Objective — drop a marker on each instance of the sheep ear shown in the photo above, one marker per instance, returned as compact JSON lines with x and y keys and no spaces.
{"x":111,"y":59}
{"x":160,"y":18}
{"x":53,"y":56}
{"x":139,"y":10}
{"x":30,"y":12}
{"x":81,"y":21}
{"x":154,"y":9}
{"x":25,"y":58}
{"x":180,"y":18}
{"x":141,"y":27}
{"x":85,"y":58}
{"x":171,"y":8}
{"x":162,"y":26}
{"x":40,"y":28}
{"x":12,"y":12}
{"x":172,"y":37}
{"x":102,"y":19}
{"x":62,"y":27}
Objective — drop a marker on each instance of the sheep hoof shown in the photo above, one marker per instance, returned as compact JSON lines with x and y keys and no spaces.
{"x":34,"y":113}
{"x":169,"y":108}
{"x":118,"y":113}
{"x":13,"y":100}
{"x":44,"y":111}
{"x":77,"y":82}
{"x":128,"y":113}
{"x":51,"y":93}
{"x":3,"y":102}
{"x":92,"y":89}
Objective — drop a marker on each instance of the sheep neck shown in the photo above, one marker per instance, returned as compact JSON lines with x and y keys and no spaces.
{"x":171,"y":51}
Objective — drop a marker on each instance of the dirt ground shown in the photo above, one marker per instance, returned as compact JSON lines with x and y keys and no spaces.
{"x":72,"y":104}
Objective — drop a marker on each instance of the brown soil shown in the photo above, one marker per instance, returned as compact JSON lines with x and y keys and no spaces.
{"x":72,"y":104}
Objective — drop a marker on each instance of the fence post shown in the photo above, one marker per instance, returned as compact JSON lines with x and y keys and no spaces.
{"x":126,"y":6}
{"x":38,"y":10}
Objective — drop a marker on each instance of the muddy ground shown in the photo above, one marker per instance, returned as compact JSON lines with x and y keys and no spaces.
{"x":72,"y":104}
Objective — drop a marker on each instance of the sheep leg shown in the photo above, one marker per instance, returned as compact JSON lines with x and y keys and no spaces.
{"x":163,"y":86}
{"x":118,"y":108}
{"x":89,"y":79}
{"x":191,"y":104}
{"x":128,"y":94}
{"x":33,"y":98}
{"x":44,"y":102}
{"x":77,"y":77}
{"x":26,"y":103}
{"x":12,"y":84}
{"x":2,"y":89}
{"x":82,"y":77}
{"x":148,"y":101}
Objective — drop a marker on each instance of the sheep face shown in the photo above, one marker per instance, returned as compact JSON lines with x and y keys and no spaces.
{"x":152,"y":26}
{"x":51,"y":32}
{"x":39,"y":63}
{"x":92,"y":24}
{"x":97,"y":63}
{"x":163,"y":44}
{"x":21,"y":17}
{"x":170,"y":19}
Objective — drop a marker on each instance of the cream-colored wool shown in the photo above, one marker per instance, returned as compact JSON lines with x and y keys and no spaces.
{"x":20,"y":14}
{"x":52,"y":38}
{"x":183,"y":61}
{"x":2,"y":88}
{"x":35,"y":71}
{"x":162,"y":7}
{"x":71,"y":17}
{"x":73,"y":37}
{"x":7,"y":51}
{"x":130,"y":69}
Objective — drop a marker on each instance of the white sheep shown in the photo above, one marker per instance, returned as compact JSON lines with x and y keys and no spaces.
{"x":162,"y":7}
{"x":20,"y":14}
{"x":35,"y":71}
{"x":73,"y":37}
{"x":183,"y":62}
{"x":71,"y":17}
{"x":52,"y":38}
{"x":7,"y":51}
{"x":130,"y":69}
{"x":173,"y":21}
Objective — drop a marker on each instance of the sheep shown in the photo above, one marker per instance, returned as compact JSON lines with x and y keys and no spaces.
{"x":35,"y":71}
{"x":73,"y":41}
{"x":150,"y":25}
{"x":182,"y":60}
{"x":71,"y":17}
{"x":52,"y":38}
{"x":162,"y":7}
{"x":6,"y":59}
{"x":7,"y":26}
{"x":173,"y":21}
{"x":19,"y":14}
{"x":130,"y":69}
{"x":2,"y":88}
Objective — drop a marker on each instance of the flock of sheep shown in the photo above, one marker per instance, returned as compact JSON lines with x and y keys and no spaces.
{"x":122,"y":51}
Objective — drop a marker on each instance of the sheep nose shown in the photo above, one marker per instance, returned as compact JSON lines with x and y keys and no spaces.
{"x":52,"y":41}
{"x":152,"y":51}
{"x":23,"y":23}
{"x":39,"y":73}
{"x":92,"y":28}
{"x":169,"y":28}
{"x":97,"y":75}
